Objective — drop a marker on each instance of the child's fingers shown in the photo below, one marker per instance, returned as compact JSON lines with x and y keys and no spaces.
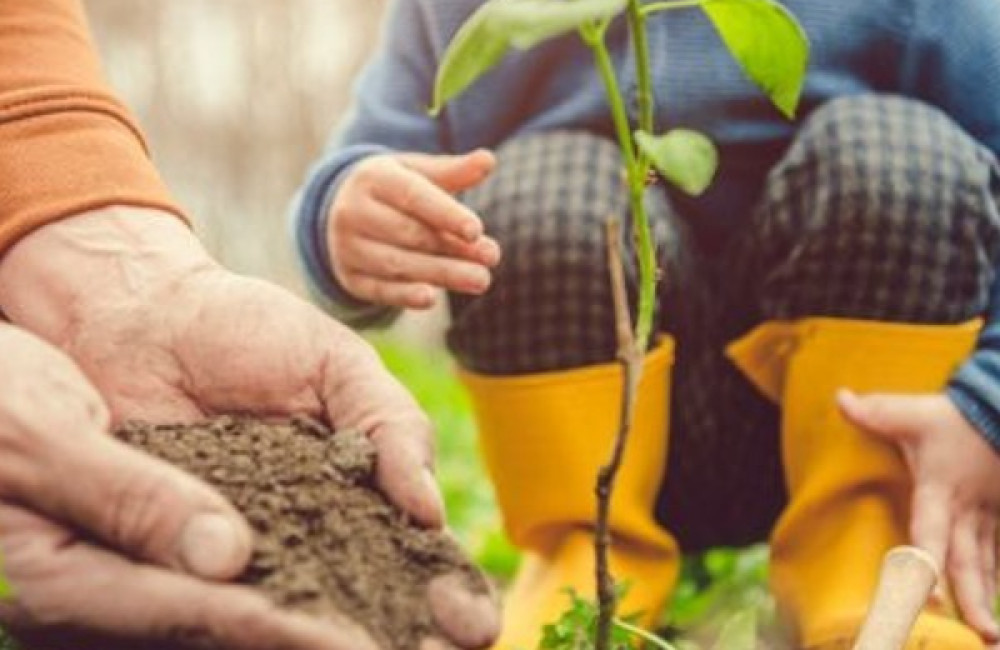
{"x":988,"y":551}
{"x":407,"y":295}
{"x":452,"y":173}
{"x":931,"y":520}
{"x":485,"y":250}
{"x":965,"y":569}
{"x":385,"y":224}
{"x":416,"y":196}
{"x":400,"y":265}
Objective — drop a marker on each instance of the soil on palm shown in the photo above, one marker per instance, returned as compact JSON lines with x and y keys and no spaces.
{"x":328,"y":542}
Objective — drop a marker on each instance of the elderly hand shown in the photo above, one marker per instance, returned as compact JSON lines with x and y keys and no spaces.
{"x":65,"y":482}
{"x":956,"y":496}
{"x":167,"y":335}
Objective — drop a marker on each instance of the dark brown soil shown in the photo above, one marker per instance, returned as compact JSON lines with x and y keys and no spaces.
{"x":328,"y":542}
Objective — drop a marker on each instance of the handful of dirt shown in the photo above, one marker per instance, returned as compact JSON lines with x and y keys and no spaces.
{"x":328,"y":542}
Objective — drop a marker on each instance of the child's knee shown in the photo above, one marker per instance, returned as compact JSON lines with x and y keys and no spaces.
{"x":887,"y":207}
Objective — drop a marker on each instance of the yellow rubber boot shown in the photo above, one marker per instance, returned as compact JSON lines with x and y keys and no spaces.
{"x":849,"y":493}
{"x":543,"y":439}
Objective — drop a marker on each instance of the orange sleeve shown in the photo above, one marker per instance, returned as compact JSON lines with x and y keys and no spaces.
{"x":66,"y":144}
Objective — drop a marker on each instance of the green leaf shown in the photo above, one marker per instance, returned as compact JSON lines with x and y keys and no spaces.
{"x":6,"y":591}
{"x":686,"y":158}
{"x":739,"y":632}
{"x":499,"y":25}
{"x":648,"y":637}
{"x":769,"y":44}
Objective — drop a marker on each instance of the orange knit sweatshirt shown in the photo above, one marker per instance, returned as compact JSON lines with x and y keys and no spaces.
{"x":66,"y":144}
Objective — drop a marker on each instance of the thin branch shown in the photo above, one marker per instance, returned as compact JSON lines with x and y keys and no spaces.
{"x":619,"y":291}
{"x":631,"y":359}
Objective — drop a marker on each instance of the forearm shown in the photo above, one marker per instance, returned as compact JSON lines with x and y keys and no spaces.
{"x":62,"y":273}
{"x":66,"y":145}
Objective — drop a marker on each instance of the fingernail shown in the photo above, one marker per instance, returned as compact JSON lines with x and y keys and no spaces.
{"x":479,"y":280}
{"x":468,"y":619}
{"x":489,"y":252}
{"x":846,"y":399}
{"x":434,"y":492}
{"x":425,"y":297}
{"x":993,"y":632}
{"x":213,"y":547}
{"x":472,"y":230}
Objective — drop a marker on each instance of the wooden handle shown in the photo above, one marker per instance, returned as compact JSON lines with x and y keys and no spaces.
{"x":908,"y":577}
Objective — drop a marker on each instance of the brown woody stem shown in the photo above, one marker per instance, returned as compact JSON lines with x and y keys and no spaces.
{"x":630,"y":356}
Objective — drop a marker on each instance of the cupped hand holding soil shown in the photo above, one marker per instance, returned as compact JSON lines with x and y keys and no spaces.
{"x":328,"y":543}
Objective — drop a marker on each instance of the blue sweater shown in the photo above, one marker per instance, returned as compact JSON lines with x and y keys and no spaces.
{"x":944,"y":53}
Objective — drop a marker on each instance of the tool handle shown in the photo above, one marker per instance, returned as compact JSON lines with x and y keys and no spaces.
{"x":908,"y":577}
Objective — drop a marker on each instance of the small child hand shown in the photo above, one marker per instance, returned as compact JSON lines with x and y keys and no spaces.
{"x":396,"y":232}
{"x":956,"y":493}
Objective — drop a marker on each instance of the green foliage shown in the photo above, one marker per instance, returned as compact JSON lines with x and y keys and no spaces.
{"x":718,"y":583}
{"x":739,"y":632}
{"x":499,"y":25}
{"x":472,"y":511}
{"x":686,"y":158}
{"x":768,"y":43}
{"x":577,"y":627}
{"x":5,"y":593}
{"x":762,"y":35}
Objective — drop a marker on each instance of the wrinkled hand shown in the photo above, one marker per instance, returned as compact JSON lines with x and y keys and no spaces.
{"x":396,"y":233}
{"x":166,"y":335}
{"x":64,"y":482}
{"x":956,"y":498}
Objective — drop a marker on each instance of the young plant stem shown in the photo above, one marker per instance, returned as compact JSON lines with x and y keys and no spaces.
{"x":635,"y":168}
{"x":648,"y":637}
{"x":632,"y":343}
{"x":644,"y":75}
{"x":631,"y":359}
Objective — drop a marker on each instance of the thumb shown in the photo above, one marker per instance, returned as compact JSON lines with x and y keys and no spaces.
{"x":891,"y":417}
{"x":141,"y":506}
{"x":452,"y":173}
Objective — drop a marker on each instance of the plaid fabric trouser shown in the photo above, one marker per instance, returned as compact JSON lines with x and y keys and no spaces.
{"x":882,"y":208}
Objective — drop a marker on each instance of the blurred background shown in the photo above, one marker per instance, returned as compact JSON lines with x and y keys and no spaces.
{"x":237,"y":98}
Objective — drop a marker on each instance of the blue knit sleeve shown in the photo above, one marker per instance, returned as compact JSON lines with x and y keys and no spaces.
{"x":975,"y":388}
{"x":389,"y":113}
{"x":953,"y":61}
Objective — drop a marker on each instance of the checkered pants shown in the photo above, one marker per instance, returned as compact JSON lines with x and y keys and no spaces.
{"x":882,"y":208}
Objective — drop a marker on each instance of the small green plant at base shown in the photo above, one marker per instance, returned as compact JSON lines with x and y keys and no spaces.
{"x":576,"y":630}
{"x":718,"y":582}
{"x":769,"y":45}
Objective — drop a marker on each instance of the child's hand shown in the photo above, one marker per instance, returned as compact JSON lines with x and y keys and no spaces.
{"x":396,"y":232}
{"x":956,"y":494}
